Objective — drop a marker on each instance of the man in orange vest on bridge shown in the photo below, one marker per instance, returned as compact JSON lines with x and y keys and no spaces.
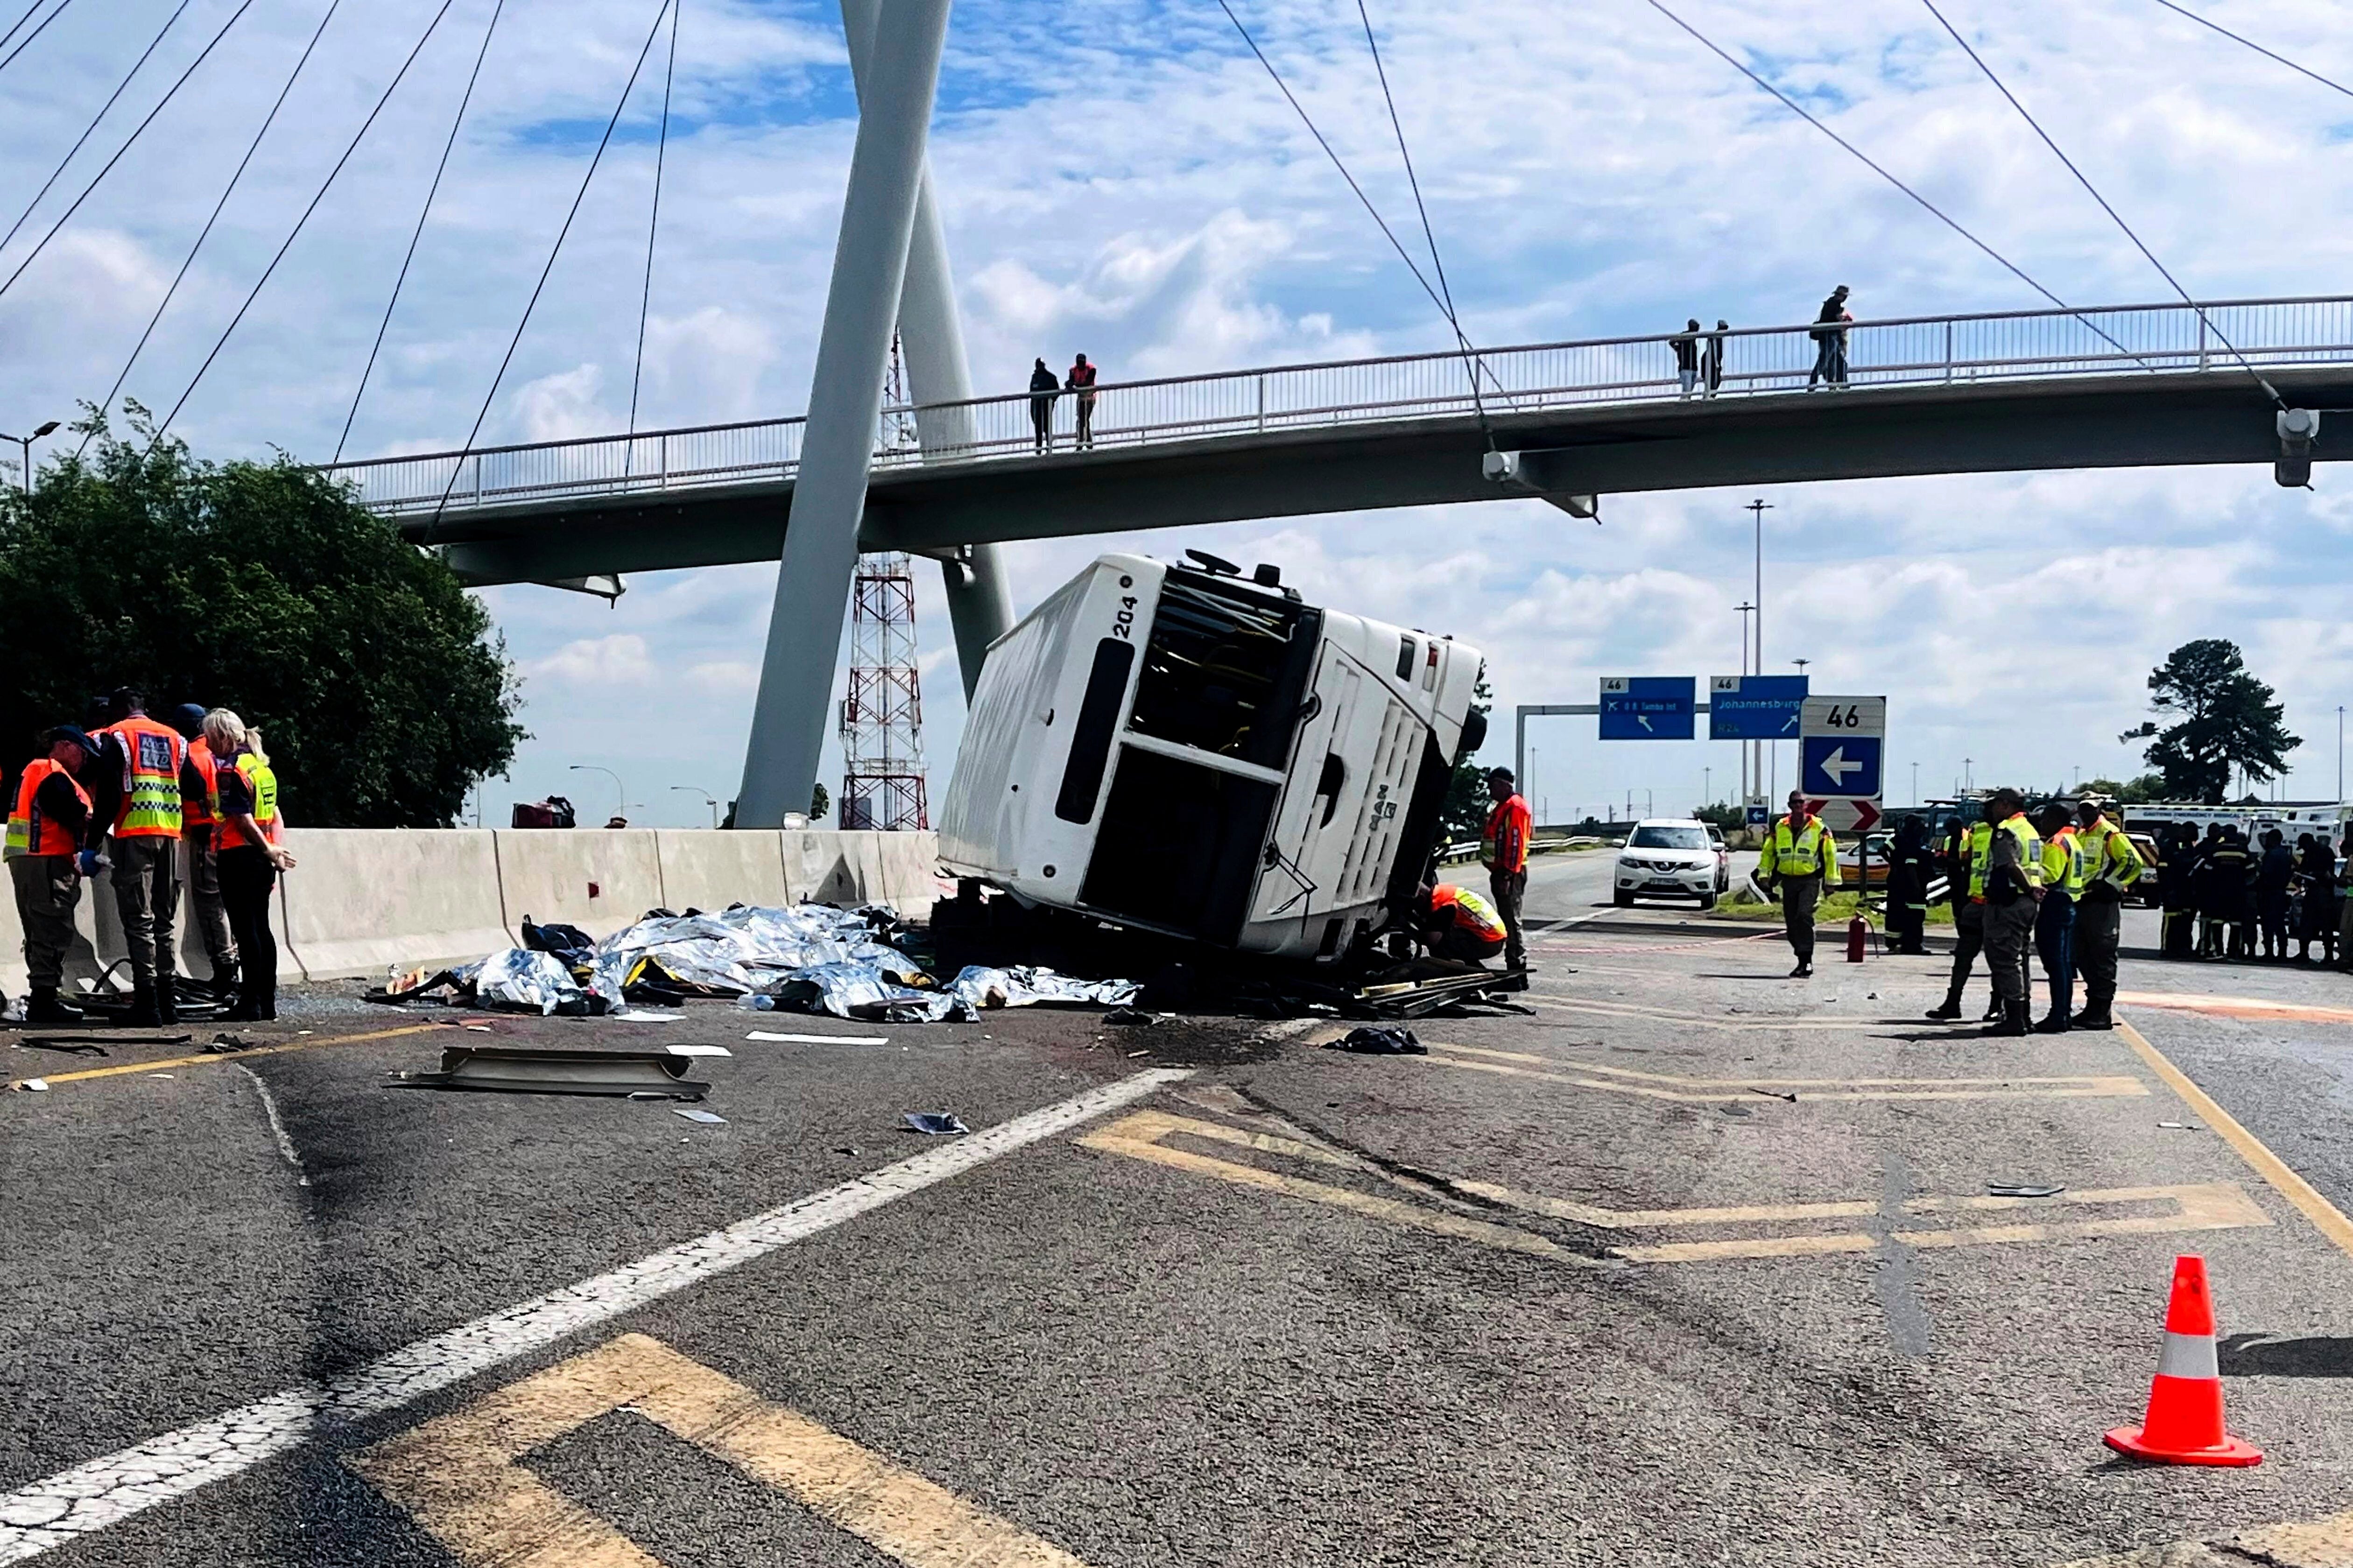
{"x":1503,"y":850}
{"x":136,"y":791}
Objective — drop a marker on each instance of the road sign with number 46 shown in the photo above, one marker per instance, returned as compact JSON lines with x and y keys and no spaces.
{"x":1841,"y":743}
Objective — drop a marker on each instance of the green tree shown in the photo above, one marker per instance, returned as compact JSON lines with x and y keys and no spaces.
{"x":1467,"y":804}
{"x":378,"y":683}
{"x":2226,"y":720}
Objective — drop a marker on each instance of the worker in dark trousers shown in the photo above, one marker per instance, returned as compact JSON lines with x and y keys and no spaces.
{"x":1910,"y":868}
{"x":2111,"y":865}
{"x":1459,"y":925}
{"x":2176,"y":855}
{"x":1503,"y":850}
{"x":1080,"y":385}
{"x":2228,"y":873}
{"x":2013,"y":893}
{"x":46,"y":862}
{"x":2055,"y":922}
{"x":135,"y":798}
{"x":2317,"y":872}
{"x":200,"y":853}
{"x":1043,"y":390}
{"x":1799,"y":859}
{"x":1965,"y":877}
{"x":2274,"y":875}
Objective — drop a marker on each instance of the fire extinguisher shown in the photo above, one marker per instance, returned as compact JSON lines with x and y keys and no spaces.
{"x":1857,"y":933}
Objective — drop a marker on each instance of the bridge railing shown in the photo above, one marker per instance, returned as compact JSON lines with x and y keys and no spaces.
{"x":2225,"y":337}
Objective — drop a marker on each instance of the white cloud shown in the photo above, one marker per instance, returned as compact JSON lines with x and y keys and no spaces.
{"x":560,"y":407}
{"x":595,"y":663}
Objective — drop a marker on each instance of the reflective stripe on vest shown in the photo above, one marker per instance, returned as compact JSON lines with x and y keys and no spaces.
{"x":262,"y":785}
{"x":1980,"y":850}
{"x":1473,"y":913}
{"x":2113,"y":860}
{"x":30,"y":833}
{"x":2066,"y":866}
{"x":152,"y":754}
{"x":1797,"y":854}
{"x":2030,"y":849}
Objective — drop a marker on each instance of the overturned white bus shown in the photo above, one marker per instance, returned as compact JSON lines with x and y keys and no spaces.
{"x":1185,"y":751}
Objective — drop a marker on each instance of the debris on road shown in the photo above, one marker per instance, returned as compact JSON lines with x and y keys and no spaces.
{"x":34,"y":1085}
{"x":2023,"y":1192}
{"x":934,"y":1123}
{"x":1773,"y":1094}
{"x":819,"y":1040}
{"x":697,"y":1051}
{"x":1379,"y":1043}
{"x":513,"y":1071}
{"x":1131,"y":1015}
{"x":2181,"y":1126}
{"x":71,"y":1047}
{"x":222,"y":1045}
{"x":702,"y":1116}
{"x":641,"y":1015}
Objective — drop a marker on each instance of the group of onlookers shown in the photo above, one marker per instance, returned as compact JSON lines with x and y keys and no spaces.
{"x":2223,"y":896}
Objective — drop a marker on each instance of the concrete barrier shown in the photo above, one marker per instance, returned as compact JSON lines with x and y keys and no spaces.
{"x":599,"y":880}
{"x":706,"y":871}
{"x":365,"y":900}
{"x":362,"y":901}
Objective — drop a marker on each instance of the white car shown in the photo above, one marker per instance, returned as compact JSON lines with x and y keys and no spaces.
{"x":1669,"y":856}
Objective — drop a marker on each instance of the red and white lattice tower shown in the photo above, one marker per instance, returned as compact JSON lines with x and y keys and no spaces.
{"x":882,"y":717}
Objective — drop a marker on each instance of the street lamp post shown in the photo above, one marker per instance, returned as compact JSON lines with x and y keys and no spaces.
{"x":712,"y":799}
{"x":621,"y":807}
{"x":24,"y":444}
{"x":2340,"y":754}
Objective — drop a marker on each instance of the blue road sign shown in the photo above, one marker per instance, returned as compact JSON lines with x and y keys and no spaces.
{"x":1845,"y":765}
{"x":1648,"y":707}
{"x":1759,"y":817}
{"x":1754,"y":707}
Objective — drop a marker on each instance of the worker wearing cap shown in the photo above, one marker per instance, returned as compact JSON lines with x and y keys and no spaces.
{"x":135,"y":798}
{"x":2111,"y":863}
{"x":2012,"y":885}
{"x":199,"y":840}
{"x":2054,"y":921}
{"x":1457,"y":923}
{"x":1965,"y":883}
{"x":1800,"y":858}
{"x":1503,"y":850}
{"x":45,"y":848}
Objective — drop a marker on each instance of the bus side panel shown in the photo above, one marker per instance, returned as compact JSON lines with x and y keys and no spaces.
{"x":981,"y":820}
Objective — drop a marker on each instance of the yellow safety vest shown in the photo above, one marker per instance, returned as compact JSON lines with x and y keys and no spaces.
{"x":2110,"y":856}
{"x":2030,"y":847}
{"x":1980,"y":842}
{"x":1807,"y":852}
{"x":262,"y":785}
{"x":2066,"y":866}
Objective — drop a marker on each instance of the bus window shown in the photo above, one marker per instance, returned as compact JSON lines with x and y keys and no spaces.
{"x":1223,"y":671}
{"x":1090,"y":736}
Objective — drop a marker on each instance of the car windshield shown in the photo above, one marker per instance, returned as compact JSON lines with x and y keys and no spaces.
{"x":1668,"y":838}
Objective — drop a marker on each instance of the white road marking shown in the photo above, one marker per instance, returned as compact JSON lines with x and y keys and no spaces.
{"x":105,"y":1491}
{"x":277,"y":1125}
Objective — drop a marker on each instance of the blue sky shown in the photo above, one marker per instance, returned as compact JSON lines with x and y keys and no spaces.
{"x":1121,"y":177}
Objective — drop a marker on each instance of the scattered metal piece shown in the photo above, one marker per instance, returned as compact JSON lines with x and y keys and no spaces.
{"x":1736,"y":1111}
{"x":221,"y":1045}
{"x":698,"y":1050}
{"x":69,"y":1047}
{"x":845,"y":1149}
{"x":2181,"y":1126}
{"x":1773,"y":1094}
{"x":702,"y":1116}
{"x":2023,"y":1192}
{"x":509,"y":1069}
{"x":1379,"y":1043}
{"x":934,"y":1123}
{"x":645,"y":1015}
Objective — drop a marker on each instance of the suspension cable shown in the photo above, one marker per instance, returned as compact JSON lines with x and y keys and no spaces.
{"x":37,"y":32}
{"x":2235,"y":38}
{"x":324,"y":186}
{"x":92,"y":128}
{"x":418,"y":232}
{"x":231,"y":189}
{"x":20,"y":21}
{"x":2083,"y":179}
{"x":553,"y":251}
{"x":653,"y":223}
{"x":131,"y":142}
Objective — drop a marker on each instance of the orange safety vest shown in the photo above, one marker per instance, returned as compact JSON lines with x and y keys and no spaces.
{"x":30,"y":833}
{"x":197,"y":809}
{"x":1471,"y":915}
{"x":151,"y":755}
{"x":1082,"y":377}
{"x":1504,"y":845}
{"x":261,"y":783}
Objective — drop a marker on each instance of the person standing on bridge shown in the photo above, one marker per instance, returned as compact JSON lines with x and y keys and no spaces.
{"x":1829,"y":341}
{"x":1503,"y":850}
{"x":1043,"y":390}
{"x":1711,"y":362}
{"x":46,"y":863}
{"x":1799,"y":859}
{"x":1686,"y":346}
{"x":1081,"y":384}
{"x":2013,"y":891}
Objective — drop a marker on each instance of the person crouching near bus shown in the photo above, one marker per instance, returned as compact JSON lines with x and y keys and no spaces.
{"x":245,"y":809}
{"x":47,"y":826}
{"x":1458,"y":924}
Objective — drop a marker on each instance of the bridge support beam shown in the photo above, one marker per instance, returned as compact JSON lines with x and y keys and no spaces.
{"x":820,"y":553}
{"x":980,"y":601}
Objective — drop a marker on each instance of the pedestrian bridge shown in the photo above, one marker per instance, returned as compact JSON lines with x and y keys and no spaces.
{"x":2098,"y":387}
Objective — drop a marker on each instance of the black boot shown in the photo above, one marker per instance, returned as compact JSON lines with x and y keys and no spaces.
{"x":224,"y":989}
{"x":2055,"y":1023}
{"x":1948,"y":1011}
{"x":2095,"y":1014}
{"x":167,"y":1000}
{"x":142,"y":1013}
{"x":2013,"y":1022}
{"x":1992,"y":1015}
{"x":43,"y":1008}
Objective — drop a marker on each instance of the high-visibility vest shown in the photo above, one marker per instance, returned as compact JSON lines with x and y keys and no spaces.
{"x":1807,"y":851}
{"x":197,"y":807}
{"x":2030,"y":850}
{"x":30,"y":833}
{"x":1981,"y":848}
{"x":2110,"y":855}
{"x":151,"y":755}
{"x":1503,"y":846}
{"x":1471,"y":915}
{"x":2066,"y":867}
{"x":262,"y":785}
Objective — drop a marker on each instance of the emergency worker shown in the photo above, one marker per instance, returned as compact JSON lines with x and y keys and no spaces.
{"x":196,"y":841}
{"x":1911,"y":867}
{"x":2177,"y":850}
{"x":1800,"y":858}
{"x":2013,"y":885}
{"x":245,"y":801}
{"x":2275,"y":876}
{"x":1458,"y":924}
{"x":135,"y":794}
{"x":2111,"y":865}
{"x":1965,"y":877}
{"x":2054,"y":921}
{"x":2222,"y":898}
{"x":1503,"y":850}
{"x":47,"y":827}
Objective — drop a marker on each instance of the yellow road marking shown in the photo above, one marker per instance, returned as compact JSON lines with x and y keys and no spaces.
{"x":2235,"y":1007}
{"x":1140,"y":1136}
{"x":1667,"y":1086}
{"x":459,"y":1475}
{"x":54,"y":1079}
{"x":2323,"y":1215}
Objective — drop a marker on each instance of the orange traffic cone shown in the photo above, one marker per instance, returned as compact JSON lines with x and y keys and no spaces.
{"x":2184,"y":1424}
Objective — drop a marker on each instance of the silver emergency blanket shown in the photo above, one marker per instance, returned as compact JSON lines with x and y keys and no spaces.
{"x":857,"y":990}
{"x":748,"y":949}
{"x":1025,"y":985}
{"x":524,"y":981}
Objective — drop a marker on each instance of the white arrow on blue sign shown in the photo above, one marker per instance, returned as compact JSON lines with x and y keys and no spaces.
{"x":1842,"y":747}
